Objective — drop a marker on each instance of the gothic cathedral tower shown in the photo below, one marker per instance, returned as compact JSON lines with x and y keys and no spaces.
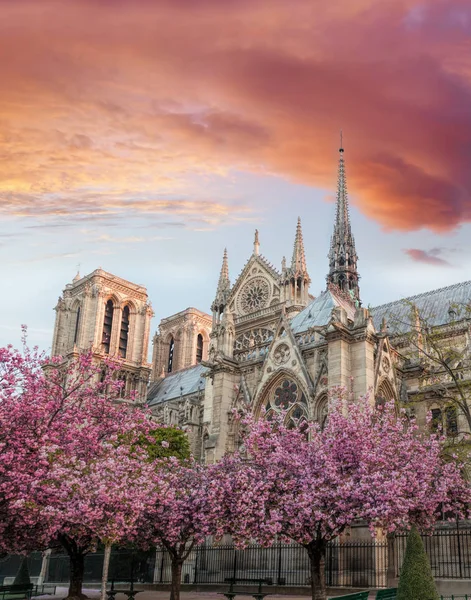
{"x":110,"y":316}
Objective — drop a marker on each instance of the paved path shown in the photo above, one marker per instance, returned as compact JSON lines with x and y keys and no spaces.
{"x":61,"y":592}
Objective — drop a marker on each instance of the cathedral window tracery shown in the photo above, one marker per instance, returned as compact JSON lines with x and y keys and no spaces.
{"x":199,"y":348}
{"x":171,"y":349}
{"x":254,"y":337}
{"x":124,"y":333}
{"x":77,"y":323}
{"x":107,"y":326}
{"x":254,"y":295}
{"x":287,"y":396}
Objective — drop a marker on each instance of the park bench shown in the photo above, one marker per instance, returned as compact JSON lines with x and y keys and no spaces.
{"x":129,"y":592}
{"x":16,"y":591}
{"x":389,"y":594}
{"x":44,"y":589}
{"x":233,"y":581}
{"x":356,"y":596}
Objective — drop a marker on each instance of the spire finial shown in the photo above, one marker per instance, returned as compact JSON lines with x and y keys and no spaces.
{"x":298,"y":262}
{"x":342,"y":255}
{"x":224,"y":275}
{"x":256,"y":244}
{"x":224,"y":285}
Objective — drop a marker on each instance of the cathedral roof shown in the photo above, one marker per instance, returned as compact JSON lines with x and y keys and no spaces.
{"x":318,"y":313}
{"x":176,"y":385}
{"x":434,"y":305}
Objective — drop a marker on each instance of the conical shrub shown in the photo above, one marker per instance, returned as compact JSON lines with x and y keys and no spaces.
{"x":416,"y":580}
{"x":22,"y":577}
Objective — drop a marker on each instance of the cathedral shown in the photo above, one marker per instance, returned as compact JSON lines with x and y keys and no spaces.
{"x":268,"y":344}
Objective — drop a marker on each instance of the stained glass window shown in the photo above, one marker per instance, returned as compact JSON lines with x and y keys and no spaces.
{"x":287,"y":396}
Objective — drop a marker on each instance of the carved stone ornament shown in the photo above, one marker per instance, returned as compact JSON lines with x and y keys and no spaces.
{"x":254,"y":295}
{"x":385,"y":364}
{"x":282,"y":354}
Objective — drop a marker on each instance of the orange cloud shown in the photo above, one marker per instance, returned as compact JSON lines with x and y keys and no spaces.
{"x":135,"y":98}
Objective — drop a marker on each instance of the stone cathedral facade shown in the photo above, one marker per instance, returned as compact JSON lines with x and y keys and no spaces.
{"x":267,"y":344}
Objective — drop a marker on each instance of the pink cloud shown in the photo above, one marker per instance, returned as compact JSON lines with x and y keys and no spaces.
{"x":430,"y":257}
{"x":138,"y":96}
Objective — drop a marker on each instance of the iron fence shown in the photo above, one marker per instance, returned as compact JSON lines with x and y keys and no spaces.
{"x":351,"y":564}
{"x":124,"y":565}
{"x":9,"y":566}
{"x":449,"y":552}
{"x":355,"y":564}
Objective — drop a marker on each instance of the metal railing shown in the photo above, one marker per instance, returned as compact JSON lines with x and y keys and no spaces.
{"x":352,"y":564}
{"x":449,"y":552}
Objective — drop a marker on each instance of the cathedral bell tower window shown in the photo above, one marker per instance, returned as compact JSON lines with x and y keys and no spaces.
{"x":124,"y":333}
{"x":107,"y":326}
{"x":199,"y":348}
{"x":171,"y":348}
{"x":77,"y":323}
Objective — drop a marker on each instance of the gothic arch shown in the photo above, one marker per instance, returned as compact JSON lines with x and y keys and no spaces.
{"x":114,"y":299}
{"x":282,"y":391}
{"x":385,"y":391}
{"x":75,"y":323}
{"x":320,"y":409}
{"x":132,"y":306}
{"x":205,"y":345}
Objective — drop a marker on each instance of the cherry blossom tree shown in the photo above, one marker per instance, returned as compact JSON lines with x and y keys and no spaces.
{"x":180,"y":516}
{"x":73,"y":468}
{"x":309,"y":485}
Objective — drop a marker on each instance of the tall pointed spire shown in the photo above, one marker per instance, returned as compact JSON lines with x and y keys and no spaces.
{"x":223,"y":289}
{"x":295,"y":280}
{"x":298,"y":262}
{"x":224,"y":284}
{"x":342,"y":254}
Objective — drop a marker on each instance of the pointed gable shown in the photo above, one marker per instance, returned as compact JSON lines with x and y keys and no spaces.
{"x":256,"y":288}
{"x":283,"y":360}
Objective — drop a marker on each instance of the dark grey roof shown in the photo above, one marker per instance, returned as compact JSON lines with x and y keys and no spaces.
{"x":175,"y":385}
{"x":433,"y":305}
{"x":318,"y":313}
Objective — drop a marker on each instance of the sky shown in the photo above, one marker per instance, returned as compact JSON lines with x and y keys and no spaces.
{"x":144,"y":136}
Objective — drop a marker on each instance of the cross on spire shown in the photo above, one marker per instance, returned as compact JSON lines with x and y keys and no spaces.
{"x":342,"y":255}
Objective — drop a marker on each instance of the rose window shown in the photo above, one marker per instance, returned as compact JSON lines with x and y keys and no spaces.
{"x":255,"y":295}
{"x":286,"y":394}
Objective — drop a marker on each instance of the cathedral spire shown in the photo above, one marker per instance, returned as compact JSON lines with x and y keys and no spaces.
{"x":224,"y":282}
{"x":223,"y":289}
{"x":298,"y":262}
{"x":342,"y":254}
{"x":294,"y":281}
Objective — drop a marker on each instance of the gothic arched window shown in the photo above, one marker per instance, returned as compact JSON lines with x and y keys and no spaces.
{"x":107,"y":326}
{"x":286,"y":395}
{"x":199,"y":348}
{"x":77,"y":323}
{"x":171,"y":348}
{"x":124,"y":333}
{"x":436,"y":422}
{"x":451,"y":421}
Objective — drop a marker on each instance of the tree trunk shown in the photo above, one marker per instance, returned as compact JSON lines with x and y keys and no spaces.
{"x":104,"y":576}
{"x":316,"y":553}
{"x":77,"y":564}
{"x":177,"y":565}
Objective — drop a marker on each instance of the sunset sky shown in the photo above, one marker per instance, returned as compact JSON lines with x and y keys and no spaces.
{"x":144,"y":136}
